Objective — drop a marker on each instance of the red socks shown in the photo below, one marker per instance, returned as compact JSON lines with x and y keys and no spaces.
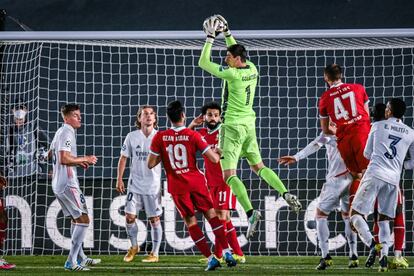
{"x":232,"y":239}
{"x":199,"y":240}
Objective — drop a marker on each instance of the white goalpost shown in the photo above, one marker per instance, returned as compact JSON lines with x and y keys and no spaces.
{"x":110,"y":74}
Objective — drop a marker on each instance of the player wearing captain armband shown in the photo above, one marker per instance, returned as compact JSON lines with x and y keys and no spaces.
{"x":335,"y":192}
{"x":65,"y":185}
{"x":386,"y":148}
{"x":223,"y":199}
{"x":346,"y":105}
{"x":177,"y":149}
{"x":144,"y":185}
{"x":238,"y":130}
{"x":378,"y":114}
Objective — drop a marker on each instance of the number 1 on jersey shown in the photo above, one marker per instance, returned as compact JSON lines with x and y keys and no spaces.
{"x":340,"y":111}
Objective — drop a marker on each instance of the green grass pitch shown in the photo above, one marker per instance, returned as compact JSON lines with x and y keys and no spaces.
{"x":179,"y":265}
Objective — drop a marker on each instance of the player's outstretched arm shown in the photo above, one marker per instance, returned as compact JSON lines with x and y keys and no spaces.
{"x":120,"y":187}
{"x":67,"y":159}
{"x":197,"y":121}
{"x":230,"y":40}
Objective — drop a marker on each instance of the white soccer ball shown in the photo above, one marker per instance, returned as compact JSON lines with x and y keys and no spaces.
{"x":220,"y":26}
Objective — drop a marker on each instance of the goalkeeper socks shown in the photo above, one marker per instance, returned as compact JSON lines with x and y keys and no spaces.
{"x":384,"y":236}
{"x":239,"y":190}
{"x":232,"y":239}
{"x":218,"y":249}
{"x":363,"y":230}
{"x":218,"y":231}
{"x":323,"y":234}
{"x":199,"y":239}
{"x":399,"y":231}
{"x":79,"y":232}
{"x":132,"y":232}
{"x":156,"y":236}
{"x":81,"y":254}
{"x":351,"y":237}
{"x":272,"y":179}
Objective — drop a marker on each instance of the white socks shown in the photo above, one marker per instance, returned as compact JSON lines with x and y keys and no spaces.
{"x":384,"y":236}
{"x":78,"y":235}
{"x":351,"y":237}
{"x":132,"y":232}
{"x":156,"y":236}
{"x":363,"y":230}
{"x":323,"y":234}
{"x":81,"y":253}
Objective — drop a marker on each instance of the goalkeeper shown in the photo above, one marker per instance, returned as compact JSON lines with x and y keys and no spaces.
{"x":238,"y":131}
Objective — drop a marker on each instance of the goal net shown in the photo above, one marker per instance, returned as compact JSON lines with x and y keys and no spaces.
{"x":110,"y":79}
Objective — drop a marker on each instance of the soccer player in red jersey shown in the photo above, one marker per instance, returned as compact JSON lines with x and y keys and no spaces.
{"x":176,"y":147}
{"x":223,"y":199}
{"x":346,"y":105}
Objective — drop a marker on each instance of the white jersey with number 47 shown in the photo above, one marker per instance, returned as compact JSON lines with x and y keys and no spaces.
{"x":63,"y":176}
{"x":386,"y":148}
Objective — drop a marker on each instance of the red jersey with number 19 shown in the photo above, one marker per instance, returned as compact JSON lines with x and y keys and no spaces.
{"x":344,"y":104}
{"x":177,"y":148}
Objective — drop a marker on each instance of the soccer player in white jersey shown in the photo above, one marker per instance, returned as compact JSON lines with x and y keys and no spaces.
{"x":144,"y":185}
{"x":65,"y":184}
{"x":387,"y":147}
{"x":334,"y":192}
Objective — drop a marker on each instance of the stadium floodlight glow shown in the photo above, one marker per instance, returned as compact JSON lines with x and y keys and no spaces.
{"x":111,"y":73}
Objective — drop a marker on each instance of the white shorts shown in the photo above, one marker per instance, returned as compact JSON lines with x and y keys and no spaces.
{"x":368,"y":191}
{"x":151,"y":204}
{"x":73,"y":202}
{"x":334,"y":193}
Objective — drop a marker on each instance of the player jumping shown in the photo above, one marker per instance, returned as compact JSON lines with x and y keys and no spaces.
{"x":238,"y":130}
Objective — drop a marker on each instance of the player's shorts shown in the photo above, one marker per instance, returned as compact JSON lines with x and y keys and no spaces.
{"x":334,"y":193}
{"x":223,"y":198}
{"x":189,"y":202}
{"x":352,"y":145}
{"x":151,"y":204}
{"x":238,"y":141}
{"x":371,"y":188}
{"x":73,"y":202}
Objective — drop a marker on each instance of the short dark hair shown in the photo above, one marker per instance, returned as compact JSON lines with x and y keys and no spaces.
{"x":68,"y":108}
{"x":174,"y":111}
{"x":210,"y":105}
{"x":138,"y":123}
{"x":238,"y":50}
{"x":377,"y":112}
{"x":333,"y":72}
{"x":397,"y":107}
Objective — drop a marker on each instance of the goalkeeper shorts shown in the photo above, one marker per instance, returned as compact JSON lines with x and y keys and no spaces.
{"x":237,"y":141}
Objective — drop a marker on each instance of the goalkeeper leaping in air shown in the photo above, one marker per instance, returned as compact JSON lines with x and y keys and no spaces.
{"x":238,"y":131}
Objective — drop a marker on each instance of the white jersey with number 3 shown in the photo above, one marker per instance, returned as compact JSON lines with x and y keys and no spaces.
{"x":386,"y":148}
{"x":63,"y":176}
{"x":142,"y":180}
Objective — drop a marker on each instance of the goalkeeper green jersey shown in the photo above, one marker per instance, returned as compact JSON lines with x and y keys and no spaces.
{"x":239,"y":86}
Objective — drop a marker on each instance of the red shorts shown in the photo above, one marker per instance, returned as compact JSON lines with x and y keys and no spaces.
{"x":223,"y":198}
{"x":189,"y":202}
{"x":352,"y":145}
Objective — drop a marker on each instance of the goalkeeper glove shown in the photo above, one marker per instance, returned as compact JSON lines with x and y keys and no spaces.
{"x":210,"y":28}
{"x":226,"y":30}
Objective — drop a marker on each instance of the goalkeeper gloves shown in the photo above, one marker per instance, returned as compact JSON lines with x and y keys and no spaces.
{"x":210,"y":28}
{"x":226,"y":30}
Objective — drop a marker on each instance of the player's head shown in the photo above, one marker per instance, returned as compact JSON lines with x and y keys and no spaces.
{"x":71,"y":115}
{"x":146,"y":116}
{"x":211,"y":112}
{"x":236,"y":55}
{"x":332,"y":73}
{"x":175,"y":112}
{"x":19,"y":114}
{"x":377,"y":112}
{"x":395,"y":108}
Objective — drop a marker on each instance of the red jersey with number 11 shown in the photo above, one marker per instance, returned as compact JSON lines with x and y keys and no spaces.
{"x":177,"y":148}
{"x":344,"y":104}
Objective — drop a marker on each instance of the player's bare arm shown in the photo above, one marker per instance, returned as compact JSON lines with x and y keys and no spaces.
{"x":287,"y":160}
{"x":120,"y":187}
{"x":325,"y":126}
{"x":212,"y":156}
{"x":82,"y":161}
{"x":197,"y":121}
{"x":3,"y":182}
{"x":153,"y":160}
